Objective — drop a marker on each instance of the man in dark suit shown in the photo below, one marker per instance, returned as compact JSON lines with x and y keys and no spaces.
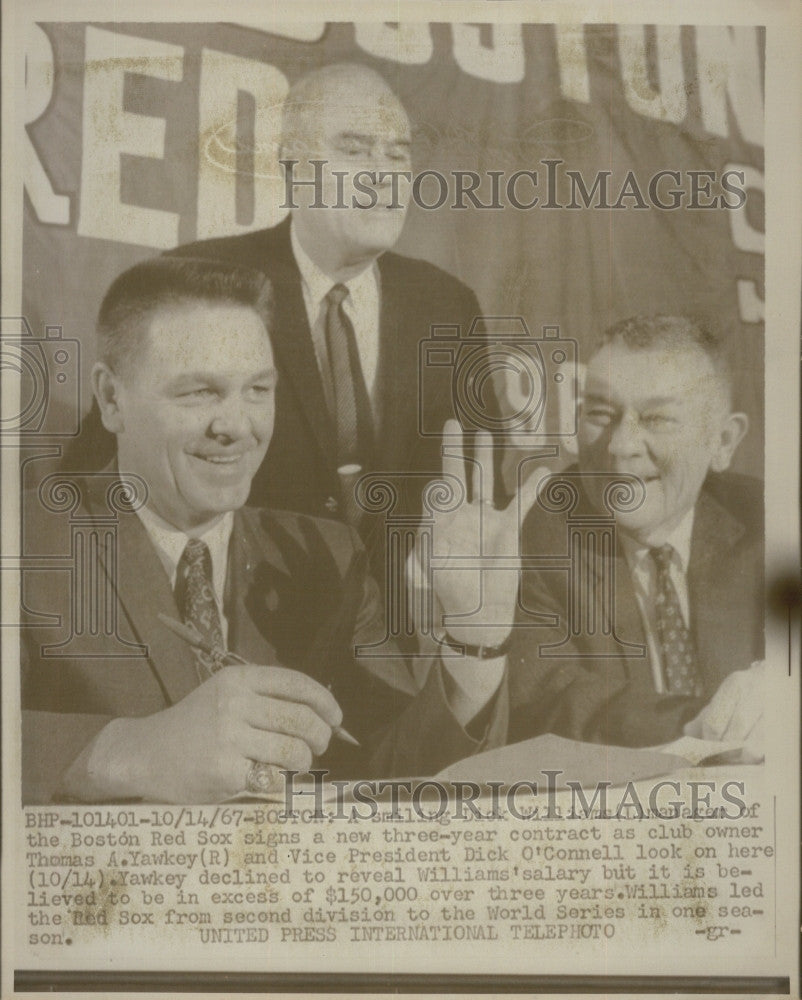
{"x":115,"y":705}
{"x":342,"y":298}
{"x":678,"y":602}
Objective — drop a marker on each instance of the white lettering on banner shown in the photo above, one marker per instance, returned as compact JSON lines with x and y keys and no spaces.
{"x":751,"y":308}
{"x":744,"y":235}
{"x":239,"y":106}
{"x":502,"y":61}
{"x":222,"y":78}
{"x":109,"y":131}
{"x":728,"y":71}
{"x":39,"y":73}
{"x":308,"y":31}
{"x":406,"y":42}
{"x":669,"y":103}
{"x":572,"y":61}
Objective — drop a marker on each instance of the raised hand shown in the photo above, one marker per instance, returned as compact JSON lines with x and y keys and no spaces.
{"x":477,"y":548}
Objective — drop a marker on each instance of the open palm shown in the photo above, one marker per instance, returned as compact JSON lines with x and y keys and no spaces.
{"x":476,"y":557}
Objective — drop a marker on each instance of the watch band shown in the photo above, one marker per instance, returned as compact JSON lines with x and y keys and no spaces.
{"x":479,"y":652}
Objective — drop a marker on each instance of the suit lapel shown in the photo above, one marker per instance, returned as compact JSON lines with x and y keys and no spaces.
{"x":242,"y":600}
{"x":627,"y":623}
{"x":622,"y":647}
{"x":394,"y":393}
{"x":292,"y":340}
{"x":144,"y":590}
{"x":715,"y":532}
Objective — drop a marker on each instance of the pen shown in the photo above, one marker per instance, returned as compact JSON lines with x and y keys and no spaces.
{"x":192,"y":637}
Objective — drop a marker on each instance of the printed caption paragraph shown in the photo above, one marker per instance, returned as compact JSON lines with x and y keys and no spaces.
{"x":254,"y":872}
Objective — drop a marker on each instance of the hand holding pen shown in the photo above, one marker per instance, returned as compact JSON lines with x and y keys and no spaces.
{"x":224,"y":658}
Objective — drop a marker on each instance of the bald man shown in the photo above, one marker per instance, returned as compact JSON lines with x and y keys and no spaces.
{"x":349,"y":314}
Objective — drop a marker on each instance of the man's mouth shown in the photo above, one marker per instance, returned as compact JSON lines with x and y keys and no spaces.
{"x":220,"y":459}
{"x":645,"y":477}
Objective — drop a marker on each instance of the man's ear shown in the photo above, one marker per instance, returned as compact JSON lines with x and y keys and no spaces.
{"x":288,"y":150}
{"x":106,"y":387}
{"x":734,"y":427}
{"x":300,"y":149}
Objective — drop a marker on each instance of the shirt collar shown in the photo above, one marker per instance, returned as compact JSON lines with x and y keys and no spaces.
{"x":317,"y":284}
{"x":679,"y":539}
{"x":170,"y":543}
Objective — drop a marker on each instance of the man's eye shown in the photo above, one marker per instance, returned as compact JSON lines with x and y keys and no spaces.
{"x":355,"y":150}
{"x":399,"y":153}
{"x":657,"y":421}
{"x":202,"y":392}
{"x":599,"y":417}
{"x":261,"y":391}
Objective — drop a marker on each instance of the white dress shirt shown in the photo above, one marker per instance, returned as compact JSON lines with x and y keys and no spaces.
{"x":644,"y":579}
{"x":169,"y":543}
{"x":361,"y":306}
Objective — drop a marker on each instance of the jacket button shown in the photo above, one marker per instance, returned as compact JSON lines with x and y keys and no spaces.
{"x":331,"y":505}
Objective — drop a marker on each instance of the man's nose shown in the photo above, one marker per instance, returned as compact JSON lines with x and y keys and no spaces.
{"x":626,"y":437}
{"x":231,"y":418}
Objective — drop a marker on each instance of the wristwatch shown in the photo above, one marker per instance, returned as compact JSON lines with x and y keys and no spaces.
{"x":479,"y":652}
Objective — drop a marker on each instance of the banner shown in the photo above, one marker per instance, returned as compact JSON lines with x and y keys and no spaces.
{"x":628,"y":163}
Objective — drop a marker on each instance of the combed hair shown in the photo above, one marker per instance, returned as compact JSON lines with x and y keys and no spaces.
{"x":304,"y":104}
{"x":672,"y":333}
{"x":136,"y":294}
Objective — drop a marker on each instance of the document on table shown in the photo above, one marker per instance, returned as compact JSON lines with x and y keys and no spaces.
{"x":585,"y":763}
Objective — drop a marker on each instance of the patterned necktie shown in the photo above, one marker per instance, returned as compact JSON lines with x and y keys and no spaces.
{"x":351,"y":402}
{"x":196,"y":600}
{"x":676,"y":645}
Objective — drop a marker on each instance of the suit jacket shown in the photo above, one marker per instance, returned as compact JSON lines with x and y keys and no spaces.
{"x":297,"y":594}
{"x":300,"y":470}
{"x":591,"y":691}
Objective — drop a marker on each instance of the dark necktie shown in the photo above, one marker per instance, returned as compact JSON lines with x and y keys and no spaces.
{"x":351,"y":403}
{"x":676,"y":645}
{"x":196,"y":600}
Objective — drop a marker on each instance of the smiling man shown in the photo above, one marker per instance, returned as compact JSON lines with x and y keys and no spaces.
{"x":684,"y":608}
{"x":124,"y":708}
{"x":191,"y":404}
